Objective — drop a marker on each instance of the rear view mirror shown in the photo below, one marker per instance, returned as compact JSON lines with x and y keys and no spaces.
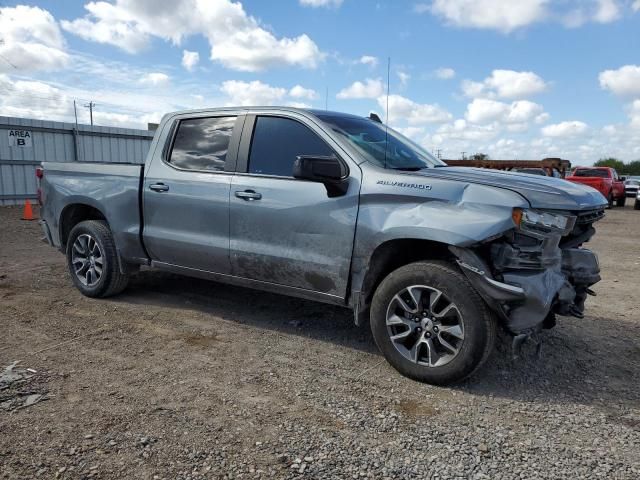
{"x":329,"y":171}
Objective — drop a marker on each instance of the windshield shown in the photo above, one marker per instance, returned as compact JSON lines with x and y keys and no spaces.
{"x":632,"y":182}
{"x":591,"y":172}
{"x":385,"y":149}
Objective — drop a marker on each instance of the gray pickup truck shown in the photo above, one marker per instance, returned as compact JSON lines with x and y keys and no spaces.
{"x":340,"y":209}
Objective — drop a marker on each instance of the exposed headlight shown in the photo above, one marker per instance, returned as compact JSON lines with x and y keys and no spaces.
{"x":542,"y":222}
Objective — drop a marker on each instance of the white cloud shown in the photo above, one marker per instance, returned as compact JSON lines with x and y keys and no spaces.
{"x":30,"y":40}
{"x":372,"y":61}
{"x":636,"y":6}
{"x":370,"y":88}
{"x":251,"y":93}
{"x":445,"y":73}
{"x":505,"y":84}
{"x":300,"y":92}
{"x":190,"y":59}
{"x":624,"y":81}
{"x":321,"y":3}
{"x":634,"y":116}
{"x":504,"y":16}
{"x":518,"y":113}
{"x":237,"y":40}
{"x":402,"y":109}
{"x":607,"y":11}
{"x":404,"y":78}
{"x":155,"y":79}
{"x":565,"y":129}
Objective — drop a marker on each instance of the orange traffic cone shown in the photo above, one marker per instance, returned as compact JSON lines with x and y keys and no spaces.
{"x":28,"y":212}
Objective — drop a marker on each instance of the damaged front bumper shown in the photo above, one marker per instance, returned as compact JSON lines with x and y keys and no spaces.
{"x":532,"y":278}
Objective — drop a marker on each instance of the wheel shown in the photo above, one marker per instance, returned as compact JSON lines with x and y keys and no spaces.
{"x":636,"y":205}
{"x":92,"y":259}
{"x":430,"y":324}
{"x":610,"y":200}
{"x":621,"y":201}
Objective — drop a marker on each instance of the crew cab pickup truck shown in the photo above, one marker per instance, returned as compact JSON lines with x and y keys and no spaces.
{"x":340,"y":209}
{"x":603,"y":179}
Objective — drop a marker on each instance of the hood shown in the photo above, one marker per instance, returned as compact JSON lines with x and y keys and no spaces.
{"x":540,"y":191}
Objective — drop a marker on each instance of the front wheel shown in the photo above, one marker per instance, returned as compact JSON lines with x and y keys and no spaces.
{"x":636,"y":205}
{"x":621,"y":201}
{"x":430,"y":324}
{"x":92,"y":259}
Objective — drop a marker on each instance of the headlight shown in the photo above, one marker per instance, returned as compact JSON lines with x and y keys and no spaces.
{"x":541,"y":222}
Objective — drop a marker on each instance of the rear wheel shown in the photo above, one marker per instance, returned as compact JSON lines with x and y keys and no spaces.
{"x":93,"y":261}
{"x":430,"y":324}
{"x":621,"y":201}
{"x":610,"y":200}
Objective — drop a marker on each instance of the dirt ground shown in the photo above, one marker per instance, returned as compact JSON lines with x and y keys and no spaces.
{"x":184,"y":378}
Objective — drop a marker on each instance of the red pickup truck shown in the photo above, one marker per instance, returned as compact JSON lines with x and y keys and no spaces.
{"x":603,"y":179}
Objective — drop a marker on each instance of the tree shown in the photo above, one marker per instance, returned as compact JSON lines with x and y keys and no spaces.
{"x":479,"y":156}
{"x":611,"y":162}
{"x":632,"y":168}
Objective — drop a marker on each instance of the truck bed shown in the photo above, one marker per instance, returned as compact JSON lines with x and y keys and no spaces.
{"x":111,"y":188}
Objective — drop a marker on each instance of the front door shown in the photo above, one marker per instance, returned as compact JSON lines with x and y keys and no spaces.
{"x":186,"y":194}
{"x":283,"y":230}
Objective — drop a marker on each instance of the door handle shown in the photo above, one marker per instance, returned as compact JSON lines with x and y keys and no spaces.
{"x":249,"y":195}
{"x":159,"y":187}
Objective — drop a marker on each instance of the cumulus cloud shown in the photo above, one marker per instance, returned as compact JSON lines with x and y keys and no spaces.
{"x":155,"y":79}
{"x":370,"y":88}
{"x":300,"y":92}
{"x":636,"y":6}
{"x":370,"y":60}
{"x":445,"y":73}
{"x":488,"y":14}
{"x":190,"y":59}
{"x":505,"y":84}
{"x":625,"y":81}
{"x":402,"y":109}
{"x":607,"y":11}
{"x":565,"y":129}
{"x":252,"y":93}
{"x":321,"y":3}
{"x":404,"y":78}
{"x":237,"y":40}
{"x":31,"y":40}
{"x":482,"y":111}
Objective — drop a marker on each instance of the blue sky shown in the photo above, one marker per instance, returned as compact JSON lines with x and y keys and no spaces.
{"x":523,"y":79}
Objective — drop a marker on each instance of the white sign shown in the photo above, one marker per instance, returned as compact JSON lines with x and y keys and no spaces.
{"x":19,"y":138}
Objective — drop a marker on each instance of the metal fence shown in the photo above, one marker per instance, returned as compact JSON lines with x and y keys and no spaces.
{"x":25,"y":143}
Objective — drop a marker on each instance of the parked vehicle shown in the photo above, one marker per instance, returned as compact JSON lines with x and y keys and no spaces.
{"x":340,"y":209}
{"x":603,"y":179}
{"x":631,"y":187}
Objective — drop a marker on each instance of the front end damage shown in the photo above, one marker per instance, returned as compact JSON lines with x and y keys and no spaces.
{"x":536,"y":270}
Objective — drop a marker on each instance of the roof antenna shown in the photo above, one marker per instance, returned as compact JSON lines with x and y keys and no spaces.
{"x":386,"y":126}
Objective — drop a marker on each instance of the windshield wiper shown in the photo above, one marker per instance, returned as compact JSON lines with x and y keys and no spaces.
{"x":408,"y":169}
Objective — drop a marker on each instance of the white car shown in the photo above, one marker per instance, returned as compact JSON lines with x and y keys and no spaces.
{"x":631,"y":186}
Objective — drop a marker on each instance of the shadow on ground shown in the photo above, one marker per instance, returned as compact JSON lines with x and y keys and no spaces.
{"x":579,"y":363}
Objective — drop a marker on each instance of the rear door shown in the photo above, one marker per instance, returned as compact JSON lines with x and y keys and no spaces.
{"x":283,"y":230}
{"x":186,"y":192}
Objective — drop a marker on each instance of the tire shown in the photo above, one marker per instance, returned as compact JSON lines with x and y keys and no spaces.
{"x":91,"y":242}
{"x":621,"y":201}
{"x":636,"y":205}
{"x":610,"y":200}
{"x":477,"y":323}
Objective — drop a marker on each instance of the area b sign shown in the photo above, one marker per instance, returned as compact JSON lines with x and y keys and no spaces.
{"x":19,"y":138}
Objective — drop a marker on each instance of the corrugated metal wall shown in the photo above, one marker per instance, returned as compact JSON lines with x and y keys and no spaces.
{"x":60,"y":142}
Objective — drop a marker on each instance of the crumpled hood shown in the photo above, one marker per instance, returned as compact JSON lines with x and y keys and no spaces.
{"x":540,"y":191}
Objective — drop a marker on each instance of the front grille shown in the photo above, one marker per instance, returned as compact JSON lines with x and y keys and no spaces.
{"x":590,"y":216}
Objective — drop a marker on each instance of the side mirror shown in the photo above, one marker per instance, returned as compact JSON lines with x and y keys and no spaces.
{"x":622,"y":179}
{"x":329,"y":171}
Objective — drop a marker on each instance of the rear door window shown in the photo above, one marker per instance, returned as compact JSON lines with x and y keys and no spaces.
{"x":276,"y":143}
{"x":202,"y":143}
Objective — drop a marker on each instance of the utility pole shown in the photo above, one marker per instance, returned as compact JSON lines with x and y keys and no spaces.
{"x":90,"y":106}
{"x":463,"y":155}
{"x":439,"y":153}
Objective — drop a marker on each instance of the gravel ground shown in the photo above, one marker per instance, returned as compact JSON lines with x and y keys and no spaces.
{"x":183,"y":378}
